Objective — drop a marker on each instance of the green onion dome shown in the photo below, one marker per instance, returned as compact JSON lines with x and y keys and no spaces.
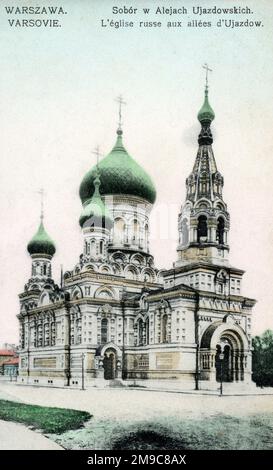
{"x":41,"y":243}
{"x":95,"y":213}
{"x":206,"y":113}
{"x":119,"y":174}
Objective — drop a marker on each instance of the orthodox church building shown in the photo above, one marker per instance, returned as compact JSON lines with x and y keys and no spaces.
{"x":115,"y":316}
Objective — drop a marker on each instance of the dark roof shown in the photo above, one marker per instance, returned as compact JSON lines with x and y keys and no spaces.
{"x":13,"y":361}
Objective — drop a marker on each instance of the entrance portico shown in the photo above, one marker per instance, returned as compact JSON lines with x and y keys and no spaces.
{"x":109,"y":360}
{"x":225,"y":354}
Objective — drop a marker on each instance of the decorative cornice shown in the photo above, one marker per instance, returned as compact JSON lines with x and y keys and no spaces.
{"x":172,"y":293}
{"x":203,"y":265}
{"x":116,"y":280}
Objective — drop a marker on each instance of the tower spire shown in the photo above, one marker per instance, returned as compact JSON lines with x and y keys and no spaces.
{"x":204,"y":223}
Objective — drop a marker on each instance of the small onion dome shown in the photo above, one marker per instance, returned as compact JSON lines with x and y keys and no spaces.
{"x":41,"y":243}
{"x":206,"y":113}
{"x":95,"y":213}
{"x":119,"y":174}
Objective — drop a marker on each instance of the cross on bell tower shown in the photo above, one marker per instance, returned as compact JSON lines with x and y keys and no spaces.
{"x":42,"y":194}
{"x":206,"y":67}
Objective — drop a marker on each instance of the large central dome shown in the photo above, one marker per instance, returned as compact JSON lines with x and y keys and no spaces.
{"x":119,"y":174}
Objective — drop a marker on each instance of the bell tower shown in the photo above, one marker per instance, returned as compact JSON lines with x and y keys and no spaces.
{"x":203,"y":222}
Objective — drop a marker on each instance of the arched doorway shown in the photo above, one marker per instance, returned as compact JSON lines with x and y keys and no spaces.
{"x":224,"y":353}
{"x":224,"y":363}
{"x":110,"y":364}
{"x":229,"y":358}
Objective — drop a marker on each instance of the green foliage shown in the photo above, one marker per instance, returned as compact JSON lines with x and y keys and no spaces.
{"x":49,"y":420}
{"x":262,"y":360}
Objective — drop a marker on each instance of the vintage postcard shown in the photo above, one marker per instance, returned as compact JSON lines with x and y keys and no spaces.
{"x":136,"y":234}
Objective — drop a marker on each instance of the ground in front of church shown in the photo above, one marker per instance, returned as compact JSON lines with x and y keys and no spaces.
{"x":142,"y":419}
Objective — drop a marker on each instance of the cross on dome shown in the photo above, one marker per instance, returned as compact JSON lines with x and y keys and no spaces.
{"x":97,"y":153}
{"x":206,"y":67}
{"x":42,"y":194}
{"x":121,"y":102}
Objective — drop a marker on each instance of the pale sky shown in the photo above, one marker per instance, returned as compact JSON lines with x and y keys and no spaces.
{"x":57,"y":91}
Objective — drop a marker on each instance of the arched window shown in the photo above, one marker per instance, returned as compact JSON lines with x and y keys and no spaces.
{"x":93,"y":248}
{"x":203,"y":185}
{"x":146,"y":236}
{"x":202,"y":228}
{"x":130,"y":274}
{"x":46,"y":334}
{"x":22,"y":335}
{"x":185,"y":232}
{"x":147,"y":324}
{"x":78,"y":332}
{"x":220,"y":231}
{"x":101,"y":247}
{"x":134,"y":232}
{"x":146,"y":277}
{"x":119,"y":229}
{"x":140,"y":332}
{"x":40,"y":335}
{"x":33,"y":335}
{"x":164,"y":322}
{"x":44,"y":269}
{"x":104,"y":331}
{"x":53,"y":333}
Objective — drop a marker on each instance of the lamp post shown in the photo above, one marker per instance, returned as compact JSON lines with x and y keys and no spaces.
{"x":221,"y":357}
{"x":82,"y":371}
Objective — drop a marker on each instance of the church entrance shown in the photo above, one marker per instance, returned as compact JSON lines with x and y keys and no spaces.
{"x":109,"y":364}
{"x":224,"y":364}
{"x":223,"y":353}
{"x":229,"y":360}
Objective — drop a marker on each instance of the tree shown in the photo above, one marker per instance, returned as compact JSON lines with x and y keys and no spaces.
{"x":262,"y":359}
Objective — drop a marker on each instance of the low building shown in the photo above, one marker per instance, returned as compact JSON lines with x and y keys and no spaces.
{"x":10,"y":367}
{"x":5,"y":356}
